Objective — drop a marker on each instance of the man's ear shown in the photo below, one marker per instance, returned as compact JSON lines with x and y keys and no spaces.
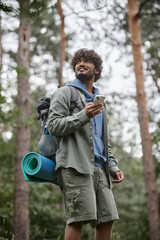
{"x":96,"y":71}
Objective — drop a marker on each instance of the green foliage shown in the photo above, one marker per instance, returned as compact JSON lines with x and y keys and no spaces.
{"x":45,"y":40}
{"x":21,"y":71}
{"x":130,"y":197}
{"x":2,"y":98}
{"x":37,"y":7}
{"x":46,"y":216}
{"x":6,"y":188}
{"x":2,"y":101}
{"x":149,"y":14}
{"x":155,"y":136}
{"x":6,"y":8}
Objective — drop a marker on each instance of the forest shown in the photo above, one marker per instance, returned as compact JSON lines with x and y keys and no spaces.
{"x":37,"y":41}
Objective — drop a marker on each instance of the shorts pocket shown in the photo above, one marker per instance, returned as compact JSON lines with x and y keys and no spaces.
{"x":73,"y":178}
{"x":72,"y":203}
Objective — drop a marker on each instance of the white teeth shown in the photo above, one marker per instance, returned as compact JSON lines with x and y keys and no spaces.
{"x":83,"y":68}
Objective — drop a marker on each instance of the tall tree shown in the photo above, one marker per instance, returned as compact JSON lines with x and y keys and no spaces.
{"x":62,"y":43}
{"x":21,"y":212}
{"x":149,"y":172}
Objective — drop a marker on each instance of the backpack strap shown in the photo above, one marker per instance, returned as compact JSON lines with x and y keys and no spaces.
{"x":44,"y":104}
{"x":74,"y":99}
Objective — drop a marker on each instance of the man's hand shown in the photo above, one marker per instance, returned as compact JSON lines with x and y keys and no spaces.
{"x":118,"y":177}
{"x":92,"y":109}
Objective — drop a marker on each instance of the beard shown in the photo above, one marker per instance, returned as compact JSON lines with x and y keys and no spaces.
{"x":85,"y":77}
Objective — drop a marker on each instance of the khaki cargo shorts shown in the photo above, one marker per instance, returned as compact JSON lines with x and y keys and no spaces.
{"x":87,"y":197}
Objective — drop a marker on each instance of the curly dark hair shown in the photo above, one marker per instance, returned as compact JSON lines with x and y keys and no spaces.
{"x":90,"y":55}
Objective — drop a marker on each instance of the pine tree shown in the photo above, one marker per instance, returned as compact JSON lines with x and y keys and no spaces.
{"x":149,"y":172}
{"x":21,"y":211}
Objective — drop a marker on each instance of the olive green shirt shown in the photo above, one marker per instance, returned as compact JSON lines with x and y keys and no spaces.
{"x":74,"y":133}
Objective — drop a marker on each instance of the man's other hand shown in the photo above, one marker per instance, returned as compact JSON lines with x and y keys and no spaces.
{"x":118,"y":177}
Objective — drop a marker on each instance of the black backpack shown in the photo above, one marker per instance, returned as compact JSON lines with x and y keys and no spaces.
{"x":47,"y":144}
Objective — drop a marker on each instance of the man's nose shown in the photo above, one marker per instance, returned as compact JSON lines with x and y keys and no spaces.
{"x":82,"y":62}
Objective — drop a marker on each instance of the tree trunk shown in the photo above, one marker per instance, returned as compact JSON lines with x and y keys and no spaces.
{"x":149,"y":173}
{"x":21,"y":210}
{"x":62,"y":43}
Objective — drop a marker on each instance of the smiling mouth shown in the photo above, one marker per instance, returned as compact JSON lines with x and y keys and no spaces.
{"x":82,"y":69}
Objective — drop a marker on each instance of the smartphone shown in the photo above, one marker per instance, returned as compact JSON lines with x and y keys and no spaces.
{"x":99,"y":99}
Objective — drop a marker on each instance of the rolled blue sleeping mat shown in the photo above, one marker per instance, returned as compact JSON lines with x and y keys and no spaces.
{"x":37,"y":168}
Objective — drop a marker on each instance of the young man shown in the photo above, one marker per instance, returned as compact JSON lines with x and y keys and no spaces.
{"x":85,"y":165}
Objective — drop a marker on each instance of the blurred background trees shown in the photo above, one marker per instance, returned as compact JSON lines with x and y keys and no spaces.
{"x":103,"y":26}
{"x":143,"y":116}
